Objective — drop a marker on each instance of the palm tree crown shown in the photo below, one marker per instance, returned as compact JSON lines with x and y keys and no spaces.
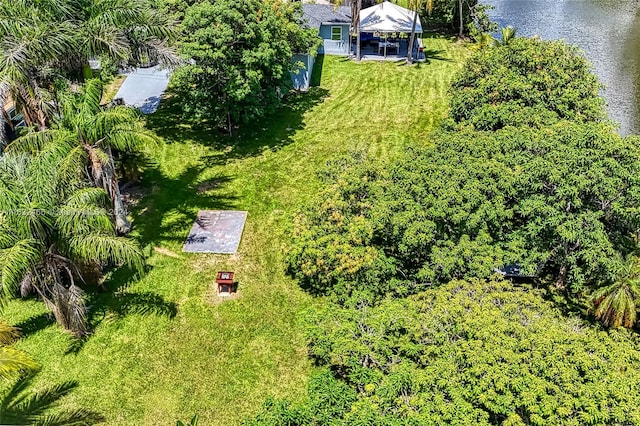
{"x":51,"y":227}
{"x":617,"y":304}
{"x":91,"y":132}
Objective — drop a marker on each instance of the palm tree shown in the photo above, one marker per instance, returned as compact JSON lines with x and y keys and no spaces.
{"x":617,"y":304}
{"x":131,"y":32}
{"x":416,"y":5}
{"x":51,"y":227}
{"x":13,"y":361}
{"x":508,"y":33}
{"x":33,"y":35}
{"x":18,"y":406}
{"x":93,"y":131}
{"x":41,"y":41}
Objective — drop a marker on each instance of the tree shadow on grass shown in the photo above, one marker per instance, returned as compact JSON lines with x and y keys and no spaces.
{"x":114,"y":300}
{"x":271,"y":132}
{"x":35,"y":323}
{"x":21,"y":406}
{"x":169,"y":208}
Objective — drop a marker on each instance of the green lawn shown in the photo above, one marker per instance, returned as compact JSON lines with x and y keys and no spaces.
{"x":163,"y":348}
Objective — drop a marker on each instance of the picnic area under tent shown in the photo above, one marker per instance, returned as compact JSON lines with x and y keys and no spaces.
{"x":385,"y":32}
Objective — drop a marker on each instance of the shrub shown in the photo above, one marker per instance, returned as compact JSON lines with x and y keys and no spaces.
{"x":527,"y":82}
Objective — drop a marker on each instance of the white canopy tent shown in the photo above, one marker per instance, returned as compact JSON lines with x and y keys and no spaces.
{"x":388,"y":17}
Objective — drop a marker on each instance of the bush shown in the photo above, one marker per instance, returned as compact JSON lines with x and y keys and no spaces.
{"x":469,"y":353}
{"x":477,"y":353}
{"x":560,"y":201}
{"x":527,"y":82}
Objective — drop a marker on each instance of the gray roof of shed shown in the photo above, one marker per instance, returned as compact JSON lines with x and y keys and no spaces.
{"x":318,"y":14}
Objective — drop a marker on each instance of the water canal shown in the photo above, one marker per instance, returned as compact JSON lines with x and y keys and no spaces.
{"x":607,"y":30}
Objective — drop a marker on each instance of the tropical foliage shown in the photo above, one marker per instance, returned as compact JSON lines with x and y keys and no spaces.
{"x":533,"y":175}
{"x":241,"y":57}
{"x":20,"y":406}
{"x":53,"y":228}
{"x":43,"y":41}
{"x":560,"y":202}
{"x":13,"y":362}
{"x":475,"y":353}
{"x":525,"y":82}
{"x":617,"y":304}
{"x":92,"y":133}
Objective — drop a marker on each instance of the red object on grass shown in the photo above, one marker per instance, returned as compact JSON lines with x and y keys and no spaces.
{"x":224,"y":279}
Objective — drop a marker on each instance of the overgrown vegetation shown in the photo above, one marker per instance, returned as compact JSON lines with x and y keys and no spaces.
{"x":468,"y":352}
{"x":561,"y":202}
{"x":162,"y":347}
{"x":526,"y":171}
{"x":240,"y":54}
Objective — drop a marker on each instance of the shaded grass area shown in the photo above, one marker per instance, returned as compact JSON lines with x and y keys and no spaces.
{"x":164,"y":347}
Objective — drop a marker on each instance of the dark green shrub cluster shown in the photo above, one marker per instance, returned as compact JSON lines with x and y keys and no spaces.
{"x":561,"y":201}
{"x":416,"y":331}
{"x":527,"y":82}
{"x":470,"y":353}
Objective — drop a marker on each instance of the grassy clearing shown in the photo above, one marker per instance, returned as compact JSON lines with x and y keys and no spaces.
{"x":112,"y":88}
{"x":163,"y":348}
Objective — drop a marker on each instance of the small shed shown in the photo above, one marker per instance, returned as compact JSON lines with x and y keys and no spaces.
{"x":333,"y":26}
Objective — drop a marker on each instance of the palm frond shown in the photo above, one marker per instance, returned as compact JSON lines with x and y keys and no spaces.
{"x":83,"y":219}
{"x":16,"y":261}
{"x":71,"y":417}
{"x":14,"y":362}
{"x":107,"y":249}
{"x":131,"y":140}
{"x":87,"y":196}
{"x":8,"y":333}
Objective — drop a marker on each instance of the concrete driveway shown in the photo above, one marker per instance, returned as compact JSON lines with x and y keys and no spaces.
{"x":143,"y":88}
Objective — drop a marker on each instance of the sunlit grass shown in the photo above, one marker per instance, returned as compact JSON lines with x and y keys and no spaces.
{"x":220,"y":360}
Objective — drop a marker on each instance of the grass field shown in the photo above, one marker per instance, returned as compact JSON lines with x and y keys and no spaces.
{"x":164,"y":348}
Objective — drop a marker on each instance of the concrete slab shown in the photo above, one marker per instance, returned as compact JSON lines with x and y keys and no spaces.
{"x":143,"y":88}
{"x":216,"y":231}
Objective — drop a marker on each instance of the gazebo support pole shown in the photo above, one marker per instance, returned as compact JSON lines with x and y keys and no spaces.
{"x":357,"y":20}
{"x":386,"y":39}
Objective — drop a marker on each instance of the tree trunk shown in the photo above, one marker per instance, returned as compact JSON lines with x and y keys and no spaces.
{"x":461,"y":31}
{"x":123,"y":226}
{"x":412,"y":39}
{"x":562,"y":277}
{"x":7,"y":119}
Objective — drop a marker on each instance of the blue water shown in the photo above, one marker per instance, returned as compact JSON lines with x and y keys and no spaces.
{"x":607,"y":30}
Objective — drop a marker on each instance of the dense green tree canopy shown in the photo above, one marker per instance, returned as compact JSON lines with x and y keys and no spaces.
{"x":241,"y":55}
{"x":529,"y":82}
{"x":560,"y":201}
{"x":465,"y":353}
